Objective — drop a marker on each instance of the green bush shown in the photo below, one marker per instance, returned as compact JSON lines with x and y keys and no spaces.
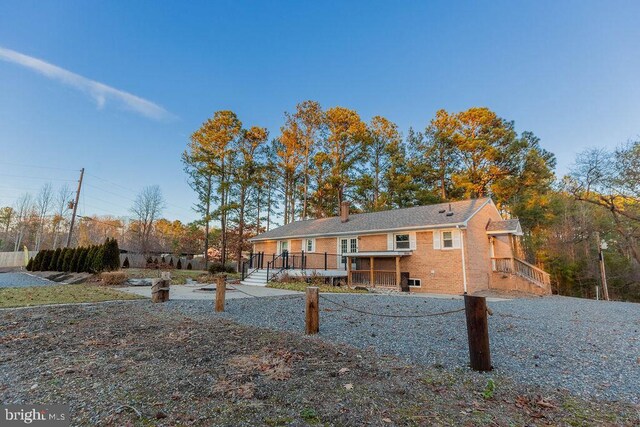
{"x":218,"y":267}
{"x":46,"y":259}
{"x":111,"y":256}
{"x":67,"y":254}
{"x":36,"y":261}
{"x":97,"y":263}
{"x":53,"y":263}
{"x":60,"y":259}
{"x":179,"y":264}
{"x":73,"y":264}
{"x":189,"y":266}
{"x":30,"y":264}
{"x":171,"y":262}
{"x":125,"y":264}
{"x":82,"y":259}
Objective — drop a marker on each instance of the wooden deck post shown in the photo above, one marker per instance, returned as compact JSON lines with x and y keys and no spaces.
{"x":398,"y":277}
{"x":312,"y":318}
{"x":372,"y":282}
{"x":220,"y":291}
{"x":478,"y":332}
{"x":348,"y":272}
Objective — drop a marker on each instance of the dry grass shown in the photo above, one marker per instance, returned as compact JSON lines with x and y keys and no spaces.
{"x":112,"y":278}
{"x":301,"y":286}
{"x":59,"y":294}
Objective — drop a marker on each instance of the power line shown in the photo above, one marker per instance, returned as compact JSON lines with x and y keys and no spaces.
{"x":39,"y":167}
{"x":38,"y":177}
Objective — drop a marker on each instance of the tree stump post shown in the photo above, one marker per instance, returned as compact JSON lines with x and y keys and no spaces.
{"x":159,"y":290}
{"x":478,"y":332}
{"x":312,"y":320}
{"x":221,"y":287}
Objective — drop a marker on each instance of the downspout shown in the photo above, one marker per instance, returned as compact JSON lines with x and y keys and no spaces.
{"x":464,"y":265}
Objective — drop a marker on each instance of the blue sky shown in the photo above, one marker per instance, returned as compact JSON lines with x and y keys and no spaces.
{"x":567,"y":70}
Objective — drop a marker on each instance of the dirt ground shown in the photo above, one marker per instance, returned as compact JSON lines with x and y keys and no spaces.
{"x":134,"y":363}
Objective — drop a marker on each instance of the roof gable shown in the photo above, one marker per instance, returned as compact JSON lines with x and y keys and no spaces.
{"x":429,"y":216}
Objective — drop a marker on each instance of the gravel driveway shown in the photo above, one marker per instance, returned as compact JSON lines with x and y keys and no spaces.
{"x":22,"y":280}
{"x":590,"y":348}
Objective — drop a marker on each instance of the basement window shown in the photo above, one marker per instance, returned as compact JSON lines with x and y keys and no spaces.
{"x":415,"y":283}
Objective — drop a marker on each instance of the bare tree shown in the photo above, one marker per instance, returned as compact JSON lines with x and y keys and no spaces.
{"x":23,"y":206}
{"x":147,"y":208}
{"x":42,"y":205}
{"x":62,"y":205}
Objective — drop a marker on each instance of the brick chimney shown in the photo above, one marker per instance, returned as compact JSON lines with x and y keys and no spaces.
{"x":344,"y":211}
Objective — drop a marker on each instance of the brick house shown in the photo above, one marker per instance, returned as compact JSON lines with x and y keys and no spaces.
{"x":451,"y":248}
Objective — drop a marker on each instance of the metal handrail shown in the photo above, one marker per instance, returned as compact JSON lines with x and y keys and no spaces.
{"x":253,"y":264}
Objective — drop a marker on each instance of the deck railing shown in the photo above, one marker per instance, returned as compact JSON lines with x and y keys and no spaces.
{"x":521,"y":268}
{"x":381,"y":278}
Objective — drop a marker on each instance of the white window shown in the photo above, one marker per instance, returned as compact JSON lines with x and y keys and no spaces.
{"x":310,"y":245}
{"x":284,"y":246}
{"x":447,"y":239}
{"x":415,"y":283}
{"x":402,"y":241}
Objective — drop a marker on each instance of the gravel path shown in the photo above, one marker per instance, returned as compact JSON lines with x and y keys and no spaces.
{"x":589,"y":348}
{"x":22,"y":280}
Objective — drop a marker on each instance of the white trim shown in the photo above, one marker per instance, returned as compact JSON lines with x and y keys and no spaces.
{"x":489,"y":200}
{"x":365,"y":232}
{"x":464,"y":264}
{"x":395,"y":242}
{"x":313,"y":245}
{"x":416,"y":286}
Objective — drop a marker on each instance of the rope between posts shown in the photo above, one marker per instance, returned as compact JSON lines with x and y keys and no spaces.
{"x":390,"y":315}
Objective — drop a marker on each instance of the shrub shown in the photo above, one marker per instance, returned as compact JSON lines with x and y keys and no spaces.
{"x":53,"y":262}
{"x":88,"y":262}
{"x":60,"y":261}
{"x":125,"y":264}
{"x":189,"y":266}
{"x":179,"y":264}
{"x":113,"y":278}
{"x":82,"y":259}
{"x":111,"y":257}
{"x":46,"y":260}
{"x":73,"y":264}
{"x":171,"y":262}
{"x":66,"y":259}
{"x":97,"y":263}
{"x":36,"y":261}
{"x":30,"y":264}
{"x":218,"y":267}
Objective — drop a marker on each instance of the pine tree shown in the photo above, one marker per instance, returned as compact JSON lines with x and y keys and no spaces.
{"x":37,"y":261}
{"x":53,"y":261}
{"x":179,"y":264}
{"x":46,"y":260}
{"x":125,"y":264}
{"x":82,"y":260}
{"x":30,"y":265}
{"x":60,"y":261}
{"x":66,"y":261}
{"x":189,"y":266}
{"x":73,"y":265}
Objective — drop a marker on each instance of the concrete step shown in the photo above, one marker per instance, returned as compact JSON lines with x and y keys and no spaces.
{"x":253,"y":283}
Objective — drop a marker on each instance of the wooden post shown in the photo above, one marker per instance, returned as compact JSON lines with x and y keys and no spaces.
{"x":478,"y":332}
{"x":160,"y":290}
{"x":398,"y":277}
{"x":312,"y":321}
{"x":325,"y":260}
{"x":372,"y":282}
{"x":348,"y":272}
{"x":220,"y":291}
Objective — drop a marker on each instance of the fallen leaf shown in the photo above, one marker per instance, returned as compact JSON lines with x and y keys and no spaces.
{"x":343,"y":370}
{"x":348,"y":386}
{"x":387,"y":420}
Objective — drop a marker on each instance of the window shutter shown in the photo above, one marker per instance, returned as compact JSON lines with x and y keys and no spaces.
{"x":412,"y":240}
{"x":390,"y":242}
{"x":436,"y":239}
{"x":456,"y":238}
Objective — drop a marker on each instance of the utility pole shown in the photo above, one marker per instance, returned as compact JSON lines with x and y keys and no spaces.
{"x":75,"y":208}
{"x":603,"y":273}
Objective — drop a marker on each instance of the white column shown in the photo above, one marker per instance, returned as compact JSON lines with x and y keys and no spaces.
{"x":464,"y":265}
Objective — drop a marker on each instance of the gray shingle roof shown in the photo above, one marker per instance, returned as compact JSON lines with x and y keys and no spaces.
{"x":416,"y":217}
{"x":507,"y":225}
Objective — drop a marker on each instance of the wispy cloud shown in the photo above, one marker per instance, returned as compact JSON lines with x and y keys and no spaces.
{"x":100,"y":92}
